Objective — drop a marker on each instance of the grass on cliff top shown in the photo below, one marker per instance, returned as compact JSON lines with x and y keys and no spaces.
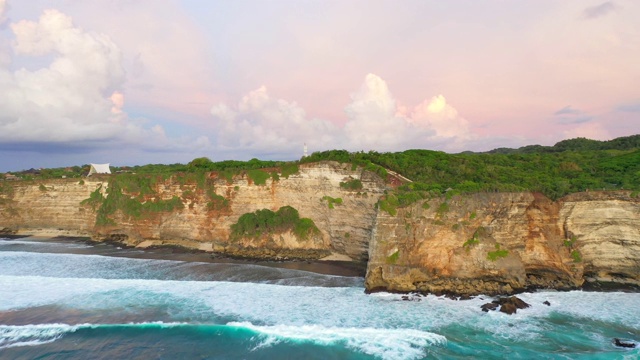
{"x":265,"y":221}
{"x":569,"y":166}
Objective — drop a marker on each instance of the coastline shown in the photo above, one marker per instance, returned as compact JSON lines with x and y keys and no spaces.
{"x":178,"y":253}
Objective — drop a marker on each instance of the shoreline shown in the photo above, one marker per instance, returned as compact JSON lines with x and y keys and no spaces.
{"x":179,"y":253}
{"x":325,"y":267}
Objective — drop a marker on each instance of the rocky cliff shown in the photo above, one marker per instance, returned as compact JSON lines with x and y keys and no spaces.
{"x":345,"y":225}
{"x":496,"y":243}
{"x":491,"y":243}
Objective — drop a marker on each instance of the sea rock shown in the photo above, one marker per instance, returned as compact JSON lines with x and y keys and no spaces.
{"x":508,"y":305}
{"x":489,"y":306}
{"x":624,"y":343}
{"x":546,"y":302}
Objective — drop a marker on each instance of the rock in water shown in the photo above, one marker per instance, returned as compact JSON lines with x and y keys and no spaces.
{"x":624,"y":344}
{"x":489,"y":306}
{"x":546,"y":302}
{"x":517,"y":302}
{"x":508,"y":308}
{"x":508,"y":305}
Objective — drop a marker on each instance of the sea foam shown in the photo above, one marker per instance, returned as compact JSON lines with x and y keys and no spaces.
{"x":382,"y":343}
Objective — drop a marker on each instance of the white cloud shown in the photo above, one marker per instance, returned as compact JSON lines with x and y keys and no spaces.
{"x":377,"y":122}
{"x":260,"y":123}
{"x":76,"y":99}
{"x":69,"y":99}
{"x":373,"y":123}
{"x":3,"y":11}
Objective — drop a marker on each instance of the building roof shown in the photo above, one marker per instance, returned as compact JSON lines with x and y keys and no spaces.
{"x":99,"y":169}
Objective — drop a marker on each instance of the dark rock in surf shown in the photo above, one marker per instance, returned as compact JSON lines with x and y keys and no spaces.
{"x":546,"y":302}
{"x":623,"y":343}
{"x":489,"y":306}
{"x":508,"y":305}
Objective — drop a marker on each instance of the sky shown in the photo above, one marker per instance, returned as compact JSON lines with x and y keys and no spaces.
{"x":133,"y":82}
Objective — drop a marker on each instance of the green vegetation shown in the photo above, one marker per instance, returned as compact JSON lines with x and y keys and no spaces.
{"x":266,"y":222}
{"x":475,"y":239}
{"x":289,"y":169}
{"x":121,"y":196}
{"x":472,"y":215}
{"x":425,"y":205}
{"x":389,"y":203}
{"x":42,"y":187}
{"x":331,"y":201}
{"x":575,"y":255}
{"x":569,"y":166}
{"x":393,"y":258}
{"x":6,"y":188}
{"x":498,"y":254}
{"x":354,"y":185}
{"x":442,"y":209}
{"x":569,"y":243}
{"x":258,"y":177}
{"x":135,"y":196}
{"x":95,"y":199}
{"x":469,"y":243}
{"x":217,"y":202}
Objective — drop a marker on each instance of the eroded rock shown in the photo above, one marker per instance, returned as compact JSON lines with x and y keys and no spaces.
{"x":508,"y":305}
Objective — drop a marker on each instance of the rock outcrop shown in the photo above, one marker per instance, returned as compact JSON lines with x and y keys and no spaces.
{"x":503,"y":243}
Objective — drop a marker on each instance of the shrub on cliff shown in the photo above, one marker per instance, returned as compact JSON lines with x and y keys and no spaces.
{"x":354,"y":184}
{"x":258,"y":177}
{"x":331,"y":201}
{"x":498,"y":254}
{"x":126,"y":193}
{"x":265,"y":221}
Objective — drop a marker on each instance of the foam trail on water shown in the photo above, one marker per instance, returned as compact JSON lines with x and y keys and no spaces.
{"x":382,"y":343}
{"x":38,"y":334}
{"x":31,"y":335}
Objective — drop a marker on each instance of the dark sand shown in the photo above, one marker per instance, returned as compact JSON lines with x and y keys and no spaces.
{"x":338,"y":268}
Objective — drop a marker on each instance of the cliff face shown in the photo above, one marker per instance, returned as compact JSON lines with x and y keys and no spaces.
{"x":506,"y":242}
{"x":345,"y":228}
{"x":491,"y":243}
{"x":51,"y":205}
{"x":606,"y":227}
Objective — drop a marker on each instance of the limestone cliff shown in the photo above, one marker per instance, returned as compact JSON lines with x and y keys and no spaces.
{"x":496,"y":243}
{"x":487,"y":243}
{"x":345,"y":228}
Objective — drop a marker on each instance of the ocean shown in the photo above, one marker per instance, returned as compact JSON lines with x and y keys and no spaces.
{"x":62,"y":299}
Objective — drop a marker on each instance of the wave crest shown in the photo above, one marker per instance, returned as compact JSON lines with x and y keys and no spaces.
{"x":383,"y":343}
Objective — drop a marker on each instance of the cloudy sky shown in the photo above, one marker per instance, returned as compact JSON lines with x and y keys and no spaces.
{"x":162,"y":81}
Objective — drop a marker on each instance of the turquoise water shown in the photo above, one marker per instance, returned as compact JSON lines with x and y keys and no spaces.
{"x":66,"y":300}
